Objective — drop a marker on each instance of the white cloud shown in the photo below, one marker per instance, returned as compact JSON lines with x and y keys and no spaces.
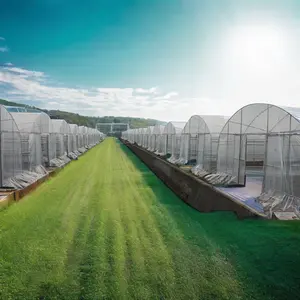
{"x":151,"y":91}
{"x":24,"y":72}
{"x":8,"y":64}
{"x":4,"y":49}
{"x":33,"y":86}
{"x":141,"y":98}
{"x":167,"y":96}
{"x":2,"y":38}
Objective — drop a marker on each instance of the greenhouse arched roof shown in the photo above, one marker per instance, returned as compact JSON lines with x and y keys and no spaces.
{"x":259,"y":118}
{"x":150,"y":130}
{"x":32,"y":122}
{"x":205,"y":123}
{"x":8,"y":123}
{"x":158,"y":129}
{"x":82,"y":129}
{"x":74,"y":128}
{"x":60,"y":126}
{"x":90,"y":130}
{"x":142,"y":130}
{"x":174,"y":127}
{"x":22,"y":109}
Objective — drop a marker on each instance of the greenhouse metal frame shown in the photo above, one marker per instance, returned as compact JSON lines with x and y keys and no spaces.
{"x":199,"y":141}
{"x":82,"y":137}
{"x":131,"y":135}
{"x":31,"y":141}
{"x":279,"y":129}
{"x":34,"y":149}
{"x":10,"y":147}
{"x":143,"y":132}
{"x":171,"y":138}
{"x":63,"y":137}
{"x":149,"y":143}
{"x":140,"y":136}
{"x":157,"y":139}
{"x":74,"y":137}
{"x":258,"y":148}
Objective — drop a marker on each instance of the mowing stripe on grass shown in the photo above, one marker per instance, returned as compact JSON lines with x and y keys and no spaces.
{"x":107,"y":228}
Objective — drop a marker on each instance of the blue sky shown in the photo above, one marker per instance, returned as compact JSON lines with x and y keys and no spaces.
{"x":160,"y":59}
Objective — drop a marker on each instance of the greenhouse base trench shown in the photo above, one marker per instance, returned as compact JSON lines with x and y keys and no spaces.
{"x":193,"y":191}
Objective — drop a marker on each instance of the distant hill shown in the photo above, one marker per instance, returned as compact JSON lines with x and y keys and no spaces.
{"x":89,"y":121}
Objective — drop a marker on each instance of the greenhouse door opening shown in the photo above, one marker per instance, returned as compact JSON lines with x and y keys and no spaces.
{"x":255,"y":150}
{"x":255,"y":157}
{"x":193,"y":149}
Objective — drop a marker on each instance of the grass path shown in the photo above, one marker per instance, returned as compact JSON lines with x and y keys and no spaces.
{"x":107,"y":228}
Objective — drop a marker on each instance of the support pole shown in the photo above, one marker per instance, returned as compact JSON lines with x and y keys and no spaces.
{"x":266,"y":149}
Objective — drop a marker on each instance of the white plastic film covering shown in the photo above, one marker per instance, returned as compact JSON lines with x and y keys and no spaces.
{"x":199,"y":140}
{"x":83,"y":136}
{"x":168,"y":141}
{"x":141,"y":134}
{"x":63,"y":137}
{"x":135,"y":135}
{"x":149,"y":138}
{"x":31,"y":126}
{"x":74,"y":137}
{"x":10,"y":141}
{"x":157,"y":141}
{"x":31,"y":140}
{"x":268,"y":135}
{"x":282,"y":160}
{"x":176,"y":142}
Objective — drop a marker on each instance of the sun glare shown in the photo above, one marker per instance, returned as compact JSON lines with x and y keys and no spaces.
{"x":257,"y":47}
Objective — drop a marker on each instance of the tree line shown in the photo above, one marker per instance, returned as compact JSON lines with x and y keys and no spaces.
{"x":80,"y":120}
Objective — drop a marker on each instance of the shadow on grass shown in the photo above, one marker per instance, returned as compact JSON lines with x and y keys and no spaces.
{"x":265,"y":253}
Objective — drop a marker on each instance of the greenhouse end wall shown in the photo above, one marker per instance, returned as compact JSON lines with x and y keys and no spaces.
{"x":273,"y":133}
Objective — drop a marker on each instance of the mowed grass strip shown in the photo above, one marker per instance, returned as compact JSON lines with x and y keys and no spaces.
{"x":107,"y":228}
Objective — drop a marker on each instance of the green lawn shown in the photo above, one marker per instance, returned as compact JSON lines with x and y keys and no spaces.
{"x":107,"y":228}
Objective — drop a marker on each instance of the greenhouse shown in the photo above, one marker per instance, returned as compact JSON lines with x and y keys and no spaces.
{"x":136,"y":135}
{"x":157,"y":135}
{"x":31,"y":141}
{"x":74,"y":137}
{"x":94,"y":137}
{"x":90,"y":137}
{"x":130,"y":135}
{"x":140,"y":136}
{"x":171,"y":139}
{"x":150,"y":138}
{"x":10,"y":156}
{"x":133,"y":135}
{"x":273,"y":161}
{"x":36,"y":146}
{"x":145,"y":138}
{"x":63,"y":137}
{"x":82,"y":137}
{"x":124,"y":135}
{"x":199,"y":141}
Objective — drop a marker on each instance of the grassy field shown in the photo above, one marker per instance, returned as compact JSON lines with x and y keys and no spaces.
{"x":107,"y":228}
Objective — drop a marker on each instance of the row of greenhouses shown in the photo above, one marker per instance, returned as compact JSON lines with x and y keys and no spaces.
{"x":31,"y":143}
{"x":259,"y":143}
